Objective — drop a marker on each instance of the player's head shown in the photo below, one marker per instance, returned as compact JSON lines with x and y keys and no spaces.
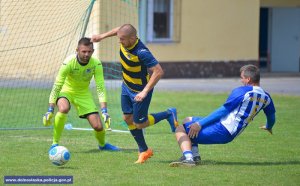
{"x":127,"y":35}
{"x":250,"y":75}
{"x":85,"y":49}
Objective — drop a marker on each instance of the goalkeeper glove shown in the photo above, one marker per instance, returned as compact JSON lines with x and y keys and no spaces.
{"x":106,"y":118}
{"x":48,"y":116}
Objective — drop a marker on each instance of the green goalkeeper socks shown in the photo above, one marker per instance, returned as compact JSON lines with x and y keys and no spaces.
{"x":100,"y":136}
{"x":59,"y":123}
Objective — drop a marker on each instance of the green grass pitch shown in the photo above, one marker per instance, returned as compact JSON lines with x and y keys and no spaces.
{"x":254,"y":158}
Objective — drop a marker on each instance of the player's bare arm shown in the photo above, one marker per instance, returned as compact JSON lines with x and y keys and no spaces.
{"x":99,"y":37}
{"x":52,"y":105}
{"x":103,"y":105}
{"x":157,"y":73}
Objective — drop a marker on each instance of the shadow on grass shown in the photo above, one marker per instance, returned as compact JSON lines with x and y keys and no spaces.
{"x":67,"y":167}
{"x":211,"y":162}
{"x":123,"y":150}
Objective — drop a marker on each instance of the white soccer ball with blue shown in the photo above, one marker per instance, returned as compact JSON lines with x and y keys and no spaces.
{"x":59,"y":155}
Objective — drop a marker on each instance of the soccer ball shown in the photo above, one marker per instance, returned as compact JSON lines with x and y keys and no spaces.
{"x":59,"y":155}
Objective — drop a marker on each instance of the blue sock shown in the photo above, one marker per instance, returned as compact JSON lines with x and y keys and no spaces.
{"x":194,"y":144}
{"x":195,"y":149}
{"x":160,"y":116}
{"x":139,"y":138}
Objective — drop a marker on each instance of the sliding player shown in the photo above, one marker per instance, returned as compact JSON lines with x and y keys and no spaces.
{"x":137,"y":87}
{"x":227,"y":122}
{"x":72,"y":87}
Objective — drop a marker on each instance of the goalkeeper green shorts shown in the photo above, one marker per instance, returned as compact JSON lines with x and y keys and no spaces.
{"x":83,"y":102}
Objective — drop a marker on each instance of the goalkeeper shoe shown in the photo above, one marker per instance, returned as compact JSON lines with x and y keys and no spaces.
{"x":173,"y":119}
{"x":183,"y":163}
{"x":143,"y":156}
{"x":109,"y":147}
{"x":52,"y":146}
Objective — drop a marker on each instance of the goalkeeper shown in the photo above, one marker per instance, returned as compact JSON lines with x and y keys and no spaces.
{"x":72,"y":86}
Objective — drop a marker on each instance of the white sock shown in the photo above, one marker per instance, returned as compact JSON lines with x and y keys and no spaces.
{"x":188,"y":155}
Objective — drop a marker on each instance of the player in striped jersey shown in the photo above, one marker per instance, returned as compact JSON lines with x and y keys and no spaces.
{"x":138,"y":85}
{"x":228,"y":121}
{"x":72,"y":86}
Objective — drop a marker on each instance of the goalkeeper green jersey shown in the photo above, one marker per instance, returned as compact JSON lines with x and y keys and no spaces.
{"x":75,"y":78}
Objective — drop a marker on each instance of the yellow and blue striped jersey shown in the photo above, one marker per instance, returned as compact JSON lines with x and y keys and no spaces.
{"x":75,"y":78}
{"x":135,"y":61}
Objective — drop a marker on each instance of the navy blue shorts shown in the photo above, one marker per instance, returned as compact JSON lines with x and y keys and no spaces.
{"x":214,"y":133}
{"x":138,"y":109}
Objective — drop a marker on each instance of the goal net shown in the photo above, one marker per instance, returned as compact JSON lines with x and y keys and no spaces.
{"x":36,"y":36}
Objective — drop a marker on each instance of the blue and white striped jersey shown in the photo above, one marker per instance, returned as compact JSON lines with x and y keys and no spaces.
{"x":243,"y":104}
